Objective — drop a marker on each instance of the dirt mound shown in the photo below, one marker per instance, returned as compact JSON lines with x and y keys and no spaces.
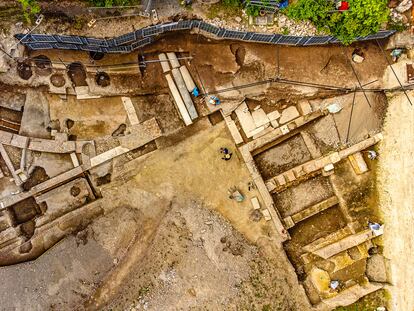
{"x":57,"y":80}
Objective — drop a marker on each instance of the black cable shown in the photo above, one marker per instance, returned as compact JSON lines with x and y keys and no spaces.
{"x":317,"y":85}
{"x":4,"y":51}
{"x":356,"y":75}
{"x":350,"y":118}
{"x":389,"y":63}
{"x":199,"y":78}
{"x":274,"y":80}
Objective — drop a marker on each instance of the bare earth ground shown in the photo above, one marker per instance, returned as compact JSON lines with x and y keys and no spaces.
{"x":163,"y":243}
{"x":396,"y":168}
{"x":160,"y":245}
{"x":187,"y":242}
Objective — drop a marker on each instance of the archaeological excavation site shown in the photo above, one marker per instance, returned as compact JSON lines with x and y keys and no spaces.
{"x":203,"y":155}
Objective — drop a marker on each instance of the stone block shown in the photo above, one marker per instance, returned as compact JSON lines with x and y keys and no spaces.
{"x":238,"y":139}
{"x":254,"y":172}
{"x":245,"y":152}
{"x":328,"y":169}
{"x":288,"y":222}
{"x":74,"y":159}
{"x":280,"y":179}
{"x":310,"y":167}
{"x":304,"y":107}
{"x":358,"y":163}
{"x":376,"y":269}
{"x":130,"y":110}
{"x":284,"y":129}
{"x":357,"y":58}
{"x":255,"y":131}
{"x":266,"y":214}
{"x":164,"y":62}
{"x":334,"y":157}
{"x":255,"y":203}
{"x":290,"y":176}
{"x":299,"y":171}
{"x":108,"y":155}
{"x":260,"y":118}
{"x":5,"y":137}
{"x":245,"y":118}
{"x":264,"y":132}
{"x":270,"y":185}
{"x":61,"y":137}
{"x":289,"y":114}
{"x":82,"y":92}
{"x":274,"y":123}
{"x":20,"y":141}
{"x":274,"y":115}
{"x":173,"y":60}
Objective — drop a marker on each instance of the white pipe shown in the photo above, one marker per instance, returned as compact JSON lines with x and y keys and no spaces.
{"x":164,"y":62}
{"x":189,"y":82}
{"x":178,"y":101}
{"x":173,"y":60}
{"x":179,"y":81}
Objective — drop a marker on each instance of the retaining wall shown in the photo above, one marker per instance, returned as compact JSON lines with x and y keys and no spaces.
{"x":140,"y":38}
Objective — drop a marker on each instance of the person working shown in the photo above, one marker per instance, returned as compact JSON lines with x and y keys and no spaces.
{"x":226,"y":154}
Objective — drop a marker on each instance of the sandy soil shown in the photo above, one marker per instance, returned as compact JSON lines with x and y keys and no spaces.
{"x":293,"y":200}
{"x":197,"y":260}
{"x":165,"y":241}
{"x":282,"y":157}
{"x":92,"y":118}
{"x":187,"y":175}
{"x":396,"y":196}
{"x":69,"y":272}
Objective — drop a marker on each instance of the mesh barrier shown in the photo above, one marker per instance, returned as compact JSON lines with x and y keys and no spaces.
{"x":142,"y":37}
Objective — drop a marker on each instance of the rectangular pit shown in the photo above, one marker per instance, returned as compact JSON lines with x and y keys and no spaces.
{"x":311,"y":229}
{"x":296,"y":198}
{"x":282,"y":157}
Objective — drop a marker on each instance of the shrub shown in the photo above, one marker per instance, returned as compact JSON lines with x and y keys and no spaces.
{"x":253,"y":10}
{"x":30,"y":8}
{"x":110,"y":3}
{"x":364,"y":17}
{"x":232,"y":3}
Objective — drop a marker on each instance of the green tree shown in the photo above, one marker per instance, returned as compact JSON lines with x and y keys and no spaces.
{"x":30,"y":8}
{"x":364,"y":17}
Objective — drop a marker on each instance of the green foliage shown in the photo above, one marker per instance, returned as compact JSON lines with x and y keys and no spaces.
{"x":253,"y":10}
{"x":232,"y":3}
{"x":398,"y":26}
{"x":78,"y":23}
{"x":110,"y":3}
{"x":364,"y":17}
{"x":224,"y":9}
{"x":30,"y":8}
{"x":369,"y":302}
